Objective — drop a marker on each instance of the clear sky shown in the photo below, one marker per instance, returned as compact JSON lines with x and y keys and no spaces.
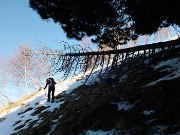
{"x":19,"y":24}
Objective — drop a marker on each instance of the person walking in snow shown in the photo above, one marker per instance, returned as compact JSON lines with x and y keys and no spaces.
{"x":51,"y":88}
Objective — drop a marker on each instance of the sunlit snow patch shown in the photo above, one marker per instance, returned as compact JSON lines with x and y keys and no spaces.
{"x":124,"y":105}
{"x":100,"y":132}
{"x":174,"y":67}
{"x":148,"y":112}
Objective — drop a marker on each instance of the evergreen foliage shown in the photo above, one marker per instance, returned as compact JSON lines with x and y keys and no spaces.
{"x":110,"y":21}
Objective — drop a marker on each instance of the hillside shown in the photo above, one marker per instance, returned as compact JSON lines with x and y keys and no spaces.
{"x":140,"y":98}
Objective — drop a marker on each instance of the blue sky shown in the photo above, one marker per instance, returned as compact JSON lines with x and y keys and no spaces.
{"x":20,"y":24}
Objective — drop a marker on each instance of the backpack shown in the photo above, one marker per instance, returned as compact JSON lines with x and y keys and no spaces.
{"x":51,"y":82}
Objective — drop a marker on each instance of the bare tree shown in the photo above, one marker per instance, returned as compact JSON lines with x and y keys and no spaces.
{"x":3,"y":80}
{"x":87,"y":45}
{"x":24,"y":66}
{"x":71,"y":63}
{"x":18,"y":69}
{"x":46,"y":59}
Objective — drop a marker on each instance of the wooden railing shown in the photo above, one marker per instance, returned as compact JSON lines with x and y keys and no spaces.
{"x":153,"y":46}
{"x":73,"y":63}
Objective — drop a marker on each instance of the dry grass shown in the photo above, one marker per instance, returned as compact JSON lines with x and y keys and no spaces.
{"x":7,"y":108}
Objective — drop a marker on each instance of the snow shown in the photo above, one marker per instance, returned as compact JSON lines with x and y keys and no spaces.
{"x":7,"y":125}
{"x":159,"y":129}
{"x":148,"y":122}
{"x":124,"y":105}
{"x":8,"y":118}
{"x":173,"y":66}
{"x":100,"y":132}
{"x":148,"y":112}
{"x":22,"y":115}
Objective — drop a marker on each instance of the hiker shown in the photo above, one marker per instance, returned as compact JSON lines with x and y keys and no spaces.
{"x":51,"y":88}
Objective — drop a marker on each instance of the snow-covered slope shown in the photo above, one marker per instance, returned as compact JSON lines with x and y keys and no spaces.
{"x":11,"y":119}
{"x":21,"y":117}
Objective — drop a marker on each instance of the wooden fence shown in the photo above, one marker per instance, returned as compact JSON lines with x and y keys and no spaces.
{"x":81,"y":61}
